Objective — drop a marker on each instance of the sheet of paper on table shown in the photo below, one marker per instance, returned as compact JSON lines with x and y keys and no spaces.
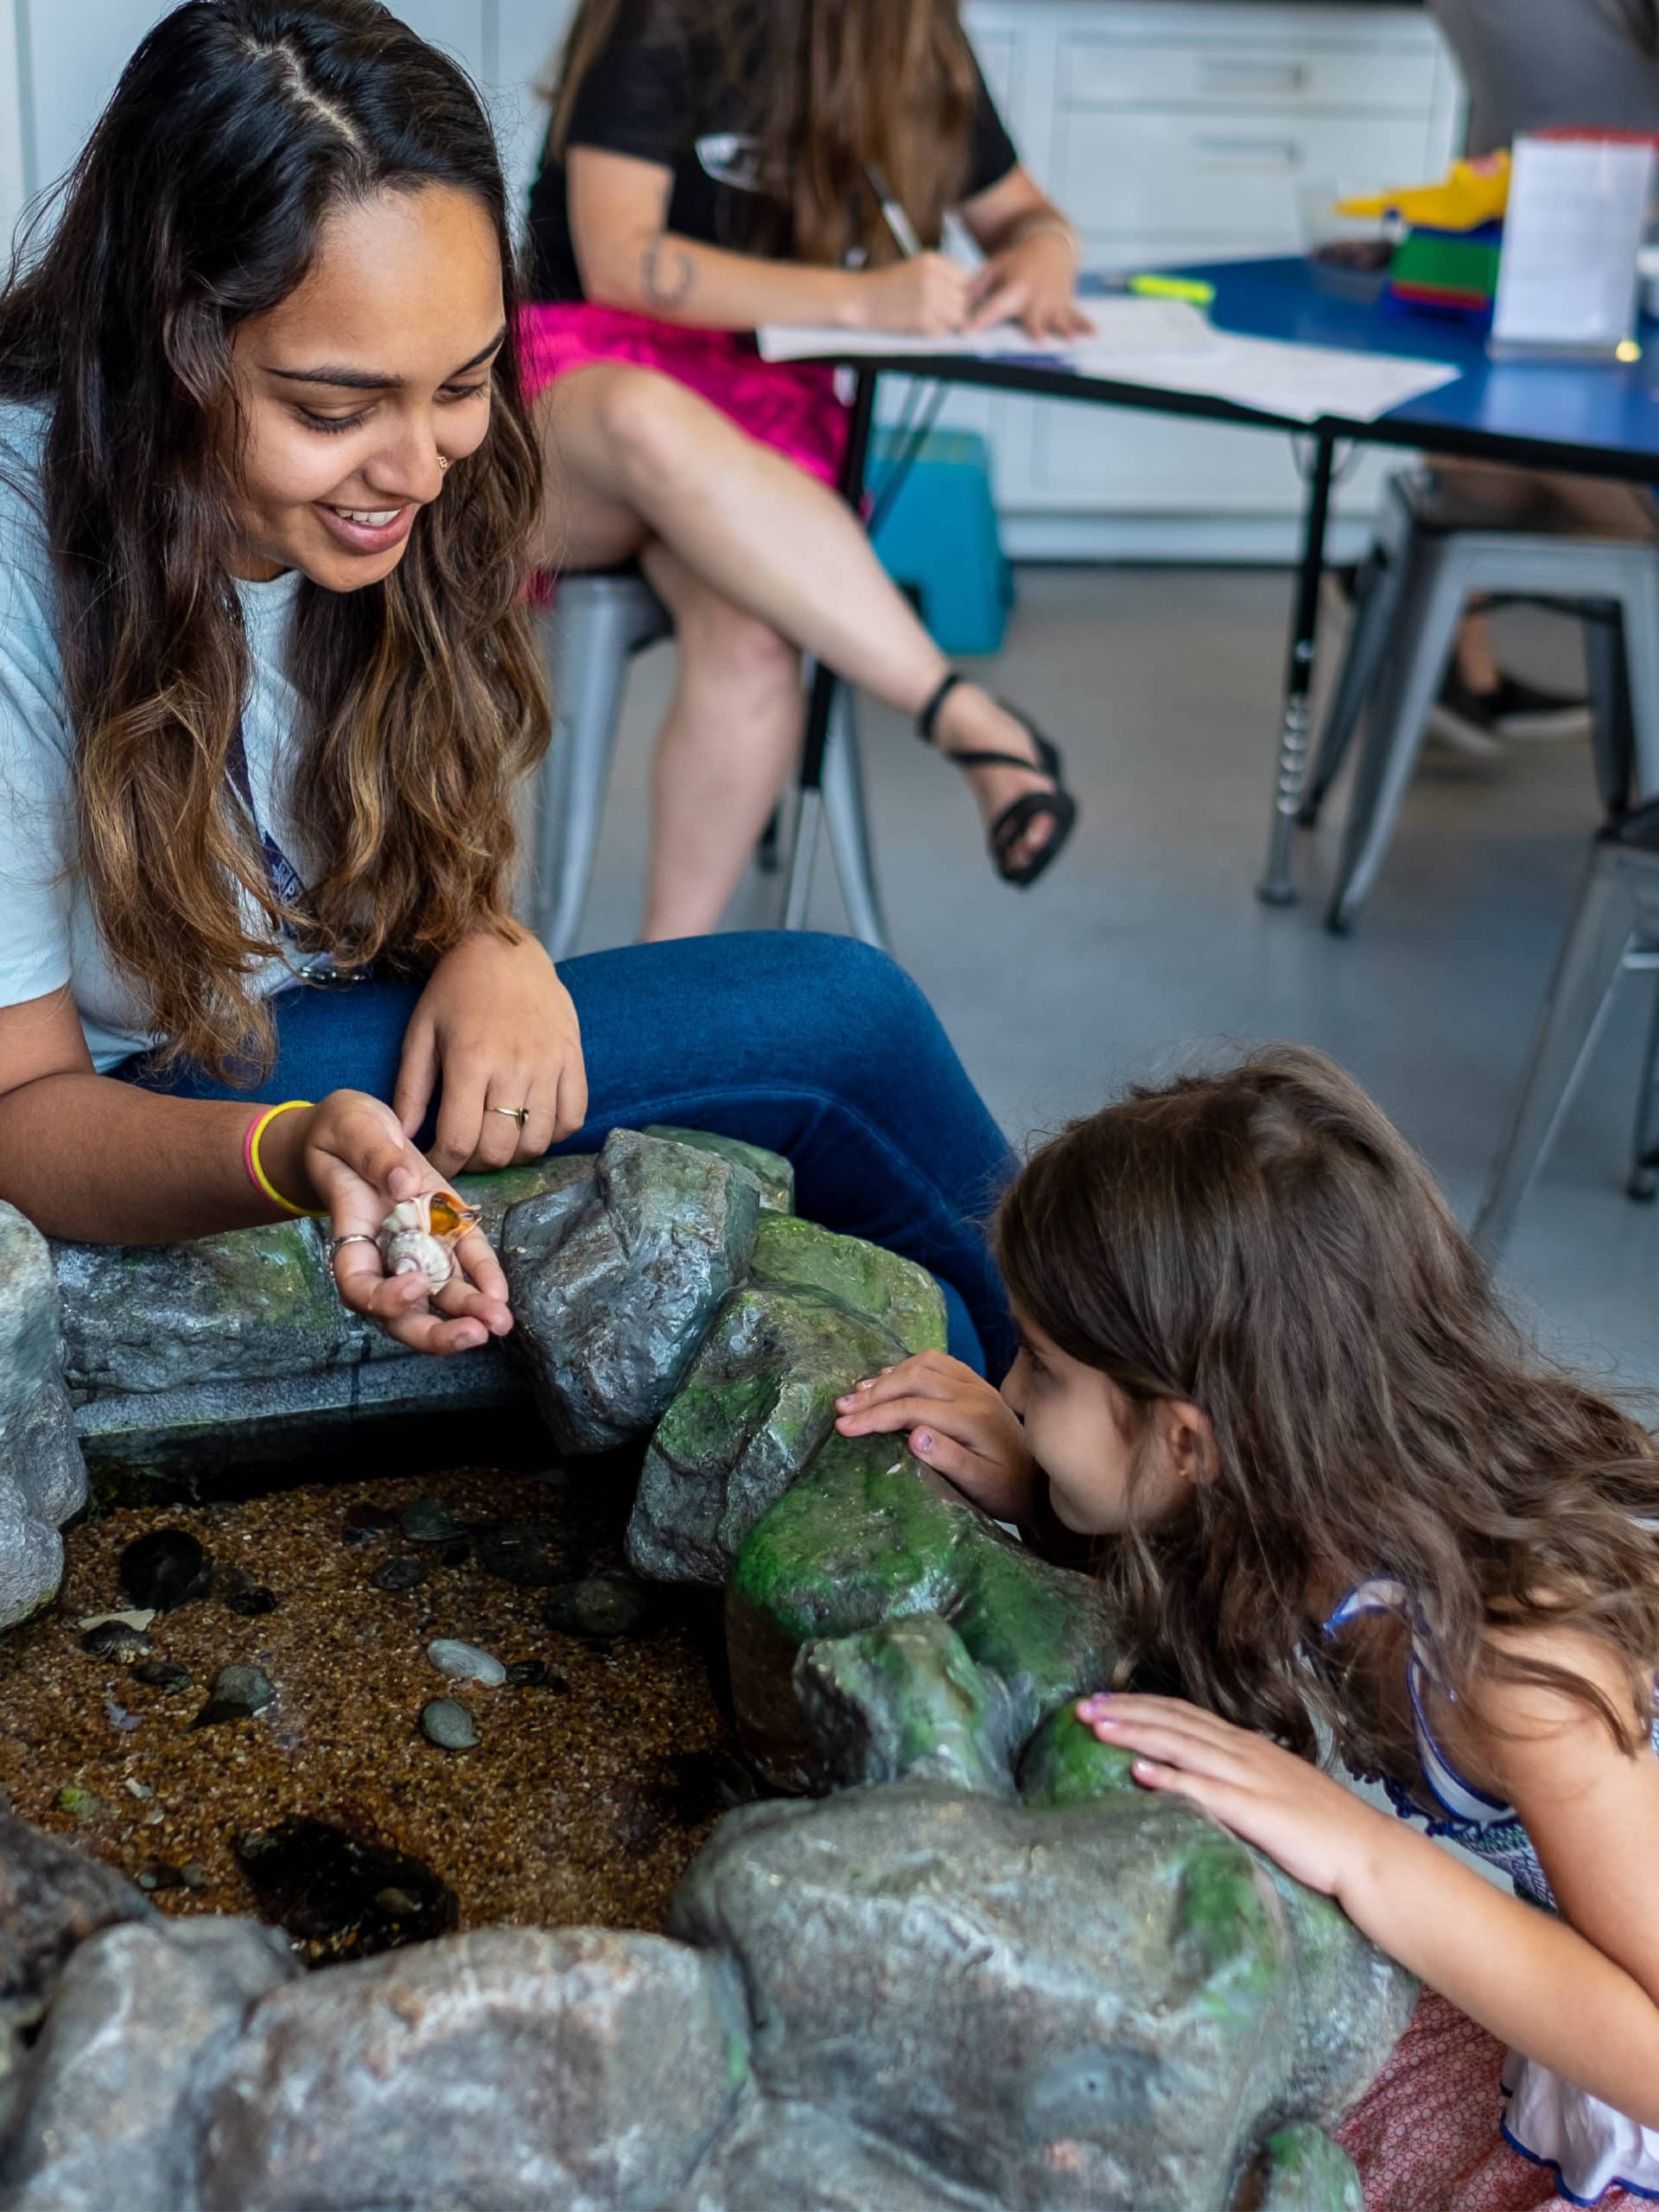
{"x":1166,"y":345}
{"x":1130,"y":327}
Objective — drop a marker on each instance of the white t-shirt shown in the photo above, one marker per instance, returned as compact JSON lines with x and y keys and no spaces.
{"x":48,"y":933}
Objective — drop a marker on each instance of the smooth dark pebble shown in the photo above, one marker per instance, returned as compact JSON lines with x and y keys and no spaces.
{"x":446,"y":1722}
{"x":400,"y":1573}
{"x":456,"y":1553}
{"x":528,"y":1674}
{"x":334,"y":1893}
{"x":194,"y":1876}
{"x":428,"y":1521}
{"x":116,"y":1640}
{"x":162,"y":1876}
{"x":238,"y":1694}
{"x":163,"y":1675}
{"x":167,"y":1569}
{"x":517,"y":1552}
{"x":251,"y":1603}
{"x":602,"y":1605}
{"x":368,"y":1519}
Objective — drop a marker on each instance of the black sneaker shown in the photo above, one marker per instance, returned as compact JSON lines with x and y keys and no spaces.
{"x":1465,"y":719}
{"x":1522,"y":709}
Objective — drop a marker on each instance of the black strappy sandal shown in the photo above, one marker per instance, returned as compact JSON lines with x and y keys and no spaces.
{"x":1056,"y":806}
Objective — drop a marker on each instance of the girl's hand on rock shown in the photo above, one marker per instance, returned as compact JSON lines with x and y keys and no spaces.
{"x":498,"y":1027}
{"x":957,"y":1421}
{"x":1316,"y":1830}
{"x":349,"y":1153}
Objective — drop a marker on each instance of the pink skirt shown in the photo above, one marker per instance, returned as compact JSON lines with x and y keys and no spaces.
{"x":1428,"y":2131}
{"x":789,"y":405}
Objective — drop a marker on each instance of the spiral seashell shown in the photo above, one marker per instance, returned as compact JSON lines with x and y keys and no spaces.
{"x":418,"y":1237}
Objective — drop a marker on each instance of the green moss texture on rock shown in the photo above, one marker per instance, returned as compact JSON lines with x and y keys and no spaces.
{"x":904,"y":1702}
{"x":775,"y":1174}
{"x":864,"y":1278}
{"x":868,"y":1535}
{"x":757,"y":1404}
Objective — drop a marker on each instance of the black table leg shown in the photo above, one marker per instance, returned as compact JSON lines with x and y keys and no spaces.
{"x":809,"y":782}
{"x":1276,"y":887}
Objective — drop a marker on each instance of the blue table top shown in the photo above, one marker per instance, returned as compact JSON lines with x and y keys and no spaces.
{"x":1601,"y":414}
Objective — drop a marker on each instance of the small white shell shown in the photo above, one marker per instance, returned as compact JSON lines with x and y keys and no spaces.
{"x":419,"y":1235}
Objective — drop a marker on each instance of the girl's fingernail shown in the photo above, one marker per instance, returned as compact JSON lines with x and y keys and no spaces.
{"x":1144,"y":1766}
{"x":849,"y":1400}
{"x":1105,"y":1721}
{"x":868,"y":1384}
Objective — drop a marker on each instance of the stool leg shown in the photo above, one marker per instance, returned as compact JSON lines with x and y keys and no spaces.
{"x":1640,"y":609}
{"x":1430,"y":602}
{"x":846,"y":818}
{"x":1613,"y":735}
{"x":1644,"y":1151}
{"x":588,"y":660}
{"x":1377,"y":597}
{"x":1580,"y":991}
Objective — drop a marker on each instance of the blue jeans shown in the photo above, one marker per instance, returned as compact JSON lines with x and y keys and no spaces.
{"x":814,"y":1047}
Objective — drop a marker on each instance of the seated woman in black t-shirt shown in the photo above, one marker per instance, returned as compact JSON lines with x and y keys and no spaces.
{"x":712,"y":165}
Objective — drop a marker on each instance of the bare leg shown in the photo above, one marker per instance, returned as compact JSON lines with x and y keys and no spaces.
{"x":725,"y":752}
{"x":623,"y":441}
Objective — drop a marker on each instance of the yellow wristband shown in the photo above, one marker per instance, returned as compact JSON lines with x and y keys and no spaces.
{"x":251,"y":1155}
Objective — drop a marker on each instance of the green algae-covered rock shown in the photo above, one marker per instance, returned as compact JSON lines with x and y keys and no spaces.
{"x":759,"y":1402}
{"x":905,"y":1703}
{"x":1065,"y":1764}
{"x":1114,"y":2003}
{"x":614,"y":1286}
{"x":865,"y":1278}
{"x":868,"y":1536}
{"x":775,"y":1174}
{"x":251,"y":1304}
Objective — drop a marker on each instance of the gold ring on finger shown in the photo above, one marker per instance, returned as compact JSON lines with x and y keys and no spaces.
{"x":519,"y":1114}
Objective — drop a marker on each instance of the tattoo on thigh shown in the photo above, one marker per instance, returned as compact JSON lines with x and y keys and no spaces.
{"x":669,"y":274}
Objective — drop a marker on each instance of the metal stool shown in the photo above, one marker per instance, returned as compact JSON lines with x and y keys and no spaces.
{"x":1423,"y":568}
{"x":596,"y":624}
{"x":1615,"y":927}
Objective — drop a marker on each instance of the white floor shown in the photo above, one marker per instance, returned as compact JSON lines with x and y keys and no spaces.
{"x":1147,"y":950}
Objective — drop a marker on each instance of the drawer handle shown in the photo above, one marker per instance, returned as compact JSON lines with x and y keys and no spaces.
{"x":1256,"y":76}
{"x":1275,"y":154}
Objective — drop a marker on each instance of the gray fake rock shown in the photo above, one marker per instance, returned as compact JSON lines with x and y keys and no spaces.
{"x":1112,"y":2004}
{"x":43,"y":1476}
{"x":775,"y":1174}
{"x":904,"y":1702}
{"x":614,"y":1287}
{"x":52,"y":1898}
{"x":511,"y":2070}
{"x":783,"y":2157}
{"x":139,"y":2011}
{"x":254,"y":1303}
{"x":759,"y":1402}
{"x":865,"y":1278}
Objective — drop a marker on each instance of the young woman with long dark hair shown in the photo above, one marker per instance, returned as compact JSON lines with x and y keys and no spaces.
{"x":713,"y":165}
{"x":268,"y":488}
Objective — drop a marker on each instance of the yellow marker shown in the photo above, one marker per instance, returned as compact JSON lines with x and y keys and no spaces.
{"x":1193,"y":289}
{"x":1628,"y":350}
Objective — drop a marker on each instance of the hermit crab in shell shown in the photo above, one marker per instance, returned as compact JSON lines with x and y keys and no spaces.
{"x":418,"y":1237}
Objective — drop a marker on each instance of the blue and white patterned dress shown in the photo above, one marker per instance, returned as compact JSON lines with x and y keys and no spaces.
{"x":1591,"y":2147}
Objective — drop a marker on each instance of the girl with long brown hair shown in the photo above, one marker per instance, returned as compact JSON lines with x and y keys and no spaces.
{"x":1332,"y":1498}
{"x":268,"y":488}
{"x":711,"y":165}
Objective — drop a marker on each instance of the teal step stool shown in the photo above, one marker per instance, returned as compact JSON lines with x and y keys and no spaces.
{"x":939,"y":541}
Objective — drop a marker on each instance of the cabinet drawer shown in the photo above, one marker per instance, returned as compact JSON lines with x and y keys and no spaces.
{"x":1099,"y":70}
{"x":1215,"y":178}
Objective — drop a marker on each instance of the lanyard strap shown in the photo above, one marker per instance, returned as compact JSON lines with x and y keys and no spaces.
{"x":280,"y":872}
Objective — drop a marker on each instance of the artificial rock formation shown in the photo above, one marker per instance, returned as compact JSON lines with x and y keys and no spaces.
{"x":43,"y":1476}
{"x":985,"y":1970}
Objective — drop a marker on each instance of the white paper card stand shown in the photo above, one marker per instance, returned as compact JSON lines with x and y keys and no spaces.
{"x":1567,"y":279}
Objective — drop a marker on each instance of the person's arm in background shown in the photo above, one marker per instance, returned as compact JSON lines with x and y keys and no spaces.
{"x":1032,"y":253}
{"x":630,"y":259}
